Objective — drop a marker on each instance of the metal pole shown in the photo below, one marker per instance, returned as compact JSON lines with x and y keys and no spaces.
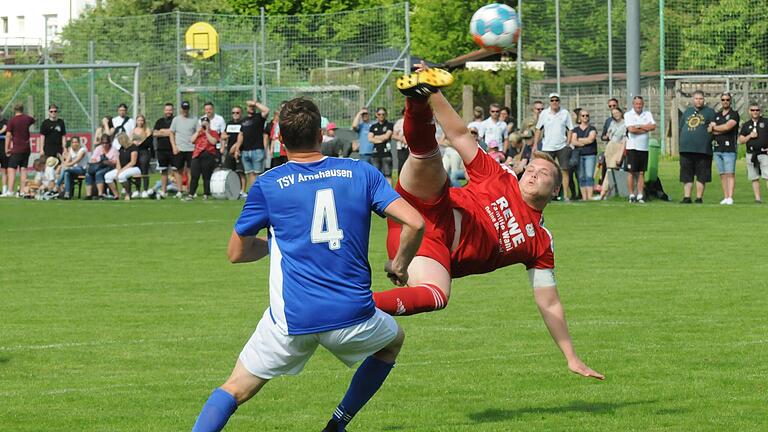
{"x":662,"y":68}
{"x":47,"y":92}
{"x":135,"y":93}
{"x":633,"y":50}
{"x":557,"y":41}
{"x":519,"y":86}
{"x":610,"y":49}
{"x":92,"y":89}
{"x":407,"y":60}
{"x":178,"y":59}
{"x":263,"y":57}
{"x":255,"y":91}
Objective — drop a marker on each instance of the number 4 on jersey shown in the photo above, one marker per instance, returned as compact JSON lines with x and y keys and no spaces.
{"x":325,"y":223}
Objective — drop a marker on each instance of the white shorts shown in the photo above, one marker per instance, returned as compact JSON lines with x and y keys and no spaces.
{"x":752,"y":173}
{"x":269,"y":353}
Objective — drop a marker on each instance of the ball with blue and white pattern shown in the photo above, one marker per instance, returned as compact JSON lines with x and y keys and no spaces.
{"x":495,"y":27}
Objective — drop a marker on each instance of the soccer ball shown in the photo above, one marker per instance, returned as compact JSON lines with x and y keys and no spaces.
{"x":495,"y":27}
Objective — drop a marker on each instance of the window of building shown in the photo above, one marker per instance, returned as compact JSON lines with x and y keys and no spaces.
{"x":20,"y":24}
{"x":4,"y":24}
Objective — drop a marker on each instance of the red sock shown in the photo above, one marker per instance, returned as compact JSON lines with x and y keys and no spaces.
{"x":419,"y":128}
{"x":410,"y":300}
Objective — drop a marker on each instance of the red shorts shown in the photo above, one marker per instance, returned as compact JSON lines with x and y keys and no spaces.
{"x":439,"y":227}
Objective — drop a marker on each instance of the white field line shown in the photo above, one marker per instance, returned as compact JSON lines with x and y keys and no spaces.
{"x":16,"y":348}
{"x":125,"y":225}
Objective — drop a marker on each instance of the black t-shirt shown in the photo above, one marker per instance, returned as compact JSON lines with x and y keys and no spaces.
{"x":589,"y":149}
{"x":252,"y":129}
{"x":727,"y":141}
{"x":3,"y":123}
{"x":754,"y":145}
{"x":163,"y":143}
{"x":125,"y":154}
{"x":146,"y":145}
{"x":52,"y":131}
{"x":232,"y":129}
{"x":377,"y":129}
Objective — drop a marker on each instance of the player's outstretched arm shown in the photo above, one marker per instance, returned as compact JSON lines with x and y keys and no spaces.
{"x":453,"y":127}
{"x":246,"y":249}
{"x":410,"y":238}
{"x":548,"y":301}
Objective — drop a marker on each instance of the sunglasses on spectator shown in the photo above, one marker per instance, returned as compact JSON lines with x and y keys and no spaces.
{"x":726,"y":99}
{"x":754,"y":109}
{"x":612,"y":105}
{"x":539,"y":109}
{"x":585,"y":115}
{"x":554,"y":100}
{"x":494,"y":111}
{"x":53,"y":111}
{"x":235,"y":112}
{"x":473,"y":132}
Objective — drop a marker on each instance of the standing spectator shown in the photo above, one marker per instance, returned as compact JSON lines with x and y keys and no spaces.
{"x":75,"y":162}
{"x":203,"y":158}
{"x":379,"y":135}
{"x":362,"y":124}
{"x":274,"y":141}
{"x":162,"y":132}
{"x":493,"y":128}
{"x":529,"y":123}
{"x":555,"y":124}
{"x":755,"y":135}
{"x":122,"y":124}
{"x":183,"y":127}
{"x":17,"y":149}
{"x":103,"y":160}
{"x":127,"y":167}
{"x":504,"y":115}
{"x":398,"y":136}
{"x":478,"y":117}
{"x":141,"y":136}
{"x":3,"y":156}
{"x":228,"y":140}
{"x":519,"y":151}
{"x":696,"y":147}
{"x":725,"y":128}
{"x":330,"y":146}
{"x":54,"y":130}
{"x":216,"y":121}
{"x":638,"y":123}
{"x":584,"y":137}
{"x":452,"y":164}
{"x":613,"y":104}
{"x":614,"y":150}
{"x":250,"y":145}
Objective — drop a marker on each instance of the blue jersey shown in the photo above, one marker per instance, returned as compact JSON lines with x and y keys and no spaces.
{"x":318,"y":216}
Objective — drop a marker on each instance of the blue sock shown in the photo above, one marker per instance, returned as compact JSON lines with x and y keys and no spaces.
{"x":216,"y":411}
{"x":366,"y":382}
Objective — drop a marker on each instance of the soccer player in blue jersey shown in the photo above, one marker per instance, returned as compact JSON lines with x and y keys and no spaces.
{"x":317,"y":213}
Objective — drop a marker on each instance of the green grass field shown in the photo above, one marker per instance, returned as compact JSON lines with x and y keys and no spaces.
{"x":124,"y":316}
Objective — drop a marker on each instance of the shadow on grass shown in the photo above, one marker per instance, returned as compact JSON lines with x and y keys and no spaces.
{"x":495,"y":415}
{"x":4,"y":359}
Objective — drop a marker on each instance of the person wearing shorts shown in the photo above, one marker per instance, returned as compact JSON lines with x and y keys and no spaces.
{"x":251,"y":145}
{"x":725,"y":129}
{"x":555,"y":123}
{"x":639,"y":123}
{"x":183,"y":127}
{"x":228,"y":140}
{"x":754,"y":134}
{"x":696,"y":147}
{"x":17,"y":149}
{"x":163,"y":149}
{"x":312,"y":304}
{"x":380,"y":134}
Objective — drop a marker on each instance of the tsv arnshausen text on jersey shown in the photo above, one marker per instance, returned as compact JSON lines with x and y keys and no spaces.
{"x":318,"y":217}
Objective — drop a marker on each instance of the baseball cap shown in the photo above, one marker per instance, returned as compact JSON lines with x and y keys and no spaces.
{"x":554,"y":95}
{"x":185,"y":105}
{"x":331,"y":126}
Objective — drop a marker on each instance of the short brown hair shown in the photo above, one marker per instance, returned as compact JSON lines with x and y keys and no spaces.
{"x":547,"y":157}
{"x":299,"y":124}
{"x":19,"y":108}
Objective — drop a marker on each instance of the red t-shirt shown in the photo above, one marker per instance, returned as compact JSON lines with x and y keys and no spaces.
{"x":498,"y":228}
{"x":19,"y":125}
{"x":203,"y":145}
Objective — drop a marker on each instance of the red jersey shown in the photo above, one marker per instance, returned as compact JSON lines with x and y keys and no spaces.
{"x":498,"y":228}
{"x":19,"y":125}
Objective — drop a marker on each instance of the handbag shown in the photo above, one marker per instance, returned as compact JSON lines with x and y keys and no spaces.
{"x":574,"y":159}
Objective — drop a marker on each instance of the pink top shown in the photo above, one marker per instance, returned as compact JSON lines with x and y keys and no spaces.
{"x":111,"y":154}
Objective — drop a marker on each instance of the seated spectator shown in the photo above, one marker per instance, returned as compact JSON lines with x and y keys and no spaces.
{"x":203,"y":158}
{"x":142,"y":139}
{"x":518,"y":153}
{"x":614,"y":150}
{"x":75,"y":163}
{"x":494,"y":150}
{"x":127,"y":167}
{"x":331,"y":145}
{"x":103,"y":160}
{"x":42,"y":185}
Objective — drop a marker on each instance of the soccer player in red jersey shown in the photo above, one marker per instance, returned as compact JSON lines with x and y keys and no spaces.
{"x":492,"y":222}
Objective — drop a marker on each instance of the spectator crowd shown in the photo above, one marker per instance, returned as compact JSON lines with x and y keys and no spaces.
{"x":187,"y":149}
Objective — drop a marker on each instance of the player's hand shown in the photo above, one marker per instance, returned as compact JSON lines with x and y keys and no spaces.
{"x":398,"y":276}
{"x":578,"y":367}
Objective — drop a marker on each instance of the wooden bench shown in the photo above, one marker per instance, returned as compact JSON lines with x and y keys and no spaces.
{"x":135,"y":180}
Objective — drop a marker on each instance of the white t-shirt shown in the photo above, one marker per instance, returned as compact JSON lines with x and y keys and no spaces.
{"x":493,"y":133}
{"x":82,"y":163}
{"x":556,"y":126}
{"x":478,"y":127}
{"x":129,"y":125}
{"x":637,"y":141}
